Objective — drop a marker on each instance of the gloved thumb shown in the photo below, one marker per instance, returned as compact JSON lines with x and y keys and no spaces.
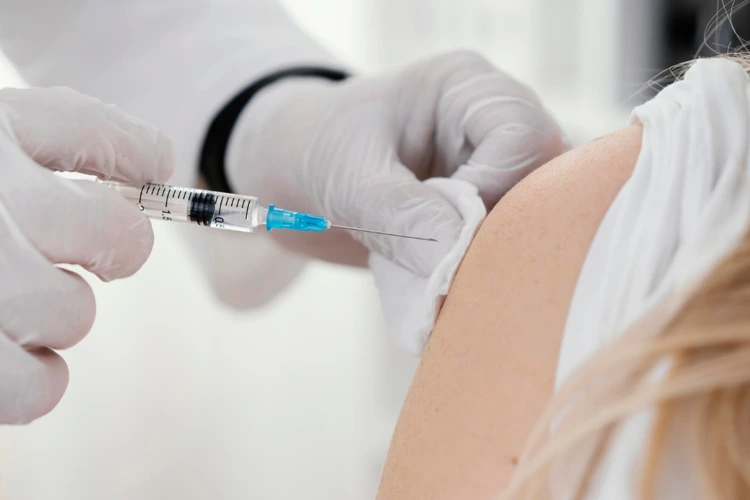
{"x":401,"y":204}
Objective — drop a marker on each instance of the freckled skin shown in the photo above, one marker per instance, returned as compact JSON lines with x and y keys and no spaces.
{"x":489,"y":367}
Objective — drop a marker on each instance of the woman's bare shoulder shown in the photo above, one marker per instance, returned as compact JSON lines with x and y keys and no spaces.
{"x":489,"y":366}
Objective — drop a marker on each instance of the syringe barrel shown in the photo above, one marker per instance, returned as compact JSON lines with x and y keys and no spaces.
{"x":206,"y":208}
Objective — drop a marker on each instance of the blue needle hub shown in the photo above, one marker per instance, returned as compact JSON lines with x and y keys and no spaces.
{"x":278,"y":218}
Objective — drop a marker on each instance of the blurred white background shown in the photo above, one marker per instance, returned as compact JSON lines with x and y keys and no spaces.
{"x":174,"y":396}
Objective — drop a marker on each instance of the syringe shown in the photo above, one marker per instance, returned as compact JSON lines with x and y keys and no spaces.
{"x":232,"y":212}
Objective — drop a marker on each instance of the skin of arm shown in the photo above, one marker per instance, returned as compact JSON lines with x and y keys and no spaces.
{"x":489,"y":367}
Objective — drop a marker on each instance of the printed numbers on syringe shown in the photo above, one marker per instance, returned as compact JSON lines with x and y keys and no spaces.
{"x":206,"y":208}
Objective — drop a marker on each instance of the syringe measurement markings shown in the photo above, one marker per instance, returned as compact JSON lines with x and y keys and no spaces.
{"x":205,"y":203}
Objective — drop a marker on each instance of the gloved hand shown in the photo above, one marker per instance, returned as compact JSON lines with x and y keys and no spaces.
{"x":355,"y":152}
{"x":47,"y":220}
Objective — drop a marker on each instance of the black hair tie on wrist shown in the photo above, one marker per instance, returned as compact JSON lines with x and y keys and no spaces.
{"x":214,"y":150}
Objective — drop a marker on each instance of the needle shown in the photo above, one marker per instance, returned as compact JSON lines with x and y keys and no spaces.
{"x":381,"y":232}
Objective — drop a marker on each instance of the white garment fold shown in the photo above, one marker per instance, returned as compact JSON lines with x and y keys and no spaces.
{"x":686,"y":206}
{"x":411,"y":303}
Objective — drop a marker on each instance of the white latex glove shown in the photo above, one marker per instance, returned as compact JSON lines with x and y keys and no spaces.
{"x":355,"y":152}
{"x":47,"y":220}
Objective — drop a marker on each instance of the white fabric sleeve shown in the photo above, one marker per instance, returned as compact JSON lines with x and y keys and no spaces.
{"x":686,"y":206}
{"x":171,"y":63}
{"x":411,"y":303}
{"x":174,"y":64}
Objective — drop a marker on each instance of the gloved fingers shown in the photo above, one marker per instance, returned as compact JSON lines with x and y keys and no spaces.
{"x":75,"y":222}
{"x":485,"y":98}
{"x":68,"y":307}
{"x":401,"y":204}
{"x":517,"y":155}
{"x":40,"y":304}
{"x":488,"y":119}
{"x":103,"y":232}
{"x":510,"y":138}
{"x":64,"y":130}
{"x":31,"y":382}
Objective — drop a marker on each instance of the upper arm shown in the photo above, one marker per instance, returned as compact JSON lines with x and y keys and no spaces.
{"x":489,"y":366}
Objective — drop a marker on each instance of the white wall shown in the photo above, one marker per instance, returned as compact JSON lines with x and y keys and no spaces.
{"x":173,"y":396}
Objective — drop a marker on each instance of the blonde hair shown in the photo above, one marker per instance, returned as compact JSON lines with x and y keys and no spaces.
{"x":699,"y":346}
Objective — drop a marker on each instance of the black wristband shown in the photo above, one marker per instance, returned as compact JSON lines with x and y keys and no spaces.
{"x":214,"y":149}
